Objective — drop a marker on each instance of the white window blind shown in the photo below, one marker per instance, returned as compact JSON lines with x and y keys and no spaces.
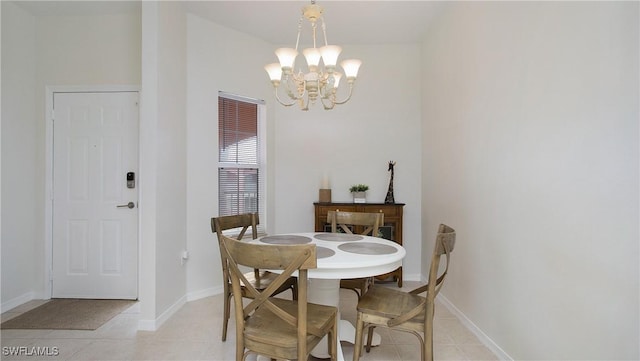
{"x":240,"y":175}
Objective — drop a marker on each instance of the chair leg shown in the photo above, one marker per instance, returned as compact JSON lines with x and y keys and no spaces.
{"x":427,"y":348}
{"x":227,"y":315}
{"x":240,"y":354}
{"x":370,"y":337}
{"x":357,"y":347}
{"x":428,"y":335}
{"x":294,"y":291}
{"x":334,"y":339}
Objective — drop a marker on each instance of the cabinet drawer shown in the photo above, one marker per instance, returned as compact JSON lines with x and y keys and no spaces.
{"x":322,"y":210}
{"x":388,"y":211}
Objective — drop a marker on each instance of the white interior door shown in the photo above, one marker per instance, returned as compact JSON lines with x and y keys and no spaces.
{"x":95,"y":210}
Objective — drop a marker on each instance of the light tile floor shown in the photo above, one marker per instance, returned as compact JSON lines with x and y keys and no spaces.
{"x":194,"y":332}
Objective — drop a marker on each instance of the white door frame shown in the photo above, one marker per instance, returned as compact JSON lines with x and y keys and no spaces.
{"x":48,"y":210}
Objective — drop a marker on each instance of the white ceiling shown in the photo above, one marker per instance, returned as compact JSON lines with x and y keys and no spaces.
{"x":77,"y":7}
{"x":348,"y":22}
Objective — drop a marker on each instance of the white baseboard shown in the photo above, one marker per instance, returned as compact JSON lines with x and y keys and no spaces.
{"x":486,"y":340}
{"x":154,"y":325}
{"x":15,"y":302}
{"x":213,"y":291}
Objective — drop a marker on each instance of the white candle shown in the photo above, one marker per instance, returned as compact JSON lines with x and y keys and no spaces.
{"x":325,"y":182}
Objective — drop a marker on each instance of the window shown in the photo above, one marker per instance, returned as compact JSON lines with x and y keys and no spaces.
{"x":240,"y":167}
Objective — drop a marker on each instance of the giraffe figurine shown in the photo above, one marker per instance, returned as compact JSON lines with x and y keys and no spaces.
{"x":390,"y":199}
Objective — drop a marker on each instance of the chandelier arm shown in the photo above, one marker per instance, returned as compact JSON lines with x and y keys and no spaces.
{"x":299,"y":83}
{"x":348,"y":97}
{"x":281,"y":102}
{"x":323,"y":79}
{"x":304,"y":106}
{"x":330,"y":106}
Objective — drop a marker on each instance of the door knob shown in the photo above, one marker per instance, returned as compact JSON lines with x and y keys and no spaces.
{"x":128,"y":205}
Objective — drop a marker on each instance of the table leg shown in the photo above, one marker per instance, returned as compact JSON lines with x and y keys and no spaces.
{"x":327,"y":292}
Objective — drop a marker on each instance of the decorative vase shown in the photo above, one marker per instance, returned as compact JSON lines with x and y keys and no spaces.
{"x":359,"y":197}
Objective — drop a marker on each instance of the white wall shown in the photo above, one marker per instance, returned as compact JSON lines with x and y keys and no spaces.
{"x":41,"y":51}
{"x":219,"y":59}
{"x":20,"y":185}
{"x":171,"y":236}
{"x":148,"y":165}
{"x":530,"y":144}
{"x":163,"y":184}
{"x":353,"y":143}
{"x":97,"y":49}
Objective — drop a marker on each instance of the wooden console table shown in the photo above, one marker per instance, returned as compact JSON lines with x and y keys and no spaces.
{"x":392,"y":229}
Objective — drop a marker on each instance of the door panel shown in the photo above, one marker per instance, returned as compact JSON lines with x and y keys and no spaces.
{"x":95,"y":242}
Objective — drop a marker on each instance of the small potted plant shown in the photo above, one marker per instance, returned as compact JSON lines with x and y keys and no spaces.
{"x":359,"y":193}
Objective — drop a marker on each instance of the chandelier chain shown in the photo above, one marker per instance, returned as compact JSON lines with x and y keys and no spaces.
{"x":299,"y":32}
{"x":324,"y":31}
{"x":313,"y":30}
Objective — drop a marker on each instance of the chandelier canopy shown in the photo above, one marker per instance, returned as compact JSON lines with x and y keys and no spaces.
{"x":320,"y":80}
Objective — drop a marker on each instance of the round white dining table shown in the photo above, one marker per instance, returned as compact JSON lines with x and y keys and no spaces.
{"x":339,"y":256}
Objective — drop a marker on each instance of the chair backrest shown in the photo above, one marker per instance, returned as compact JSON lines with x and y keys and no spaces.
{"x":343,"y":220}
{"x":445,"y":242}
{"x":289,"y":259}
{"x":243,"y":221}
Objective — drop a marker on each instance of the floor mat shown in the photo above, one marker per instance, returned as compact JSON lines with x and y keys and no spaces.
{"x":69,"y":314}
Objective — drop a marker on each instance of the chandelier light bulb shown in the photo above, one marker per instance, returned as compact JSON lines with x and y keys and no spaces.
{"x":274,"y":70}
{"x":330,"y":55}
{"x":351,"y":67}
{"x":287,"y":57}
{"x":336,"y":79}
{"x":313,"y":57}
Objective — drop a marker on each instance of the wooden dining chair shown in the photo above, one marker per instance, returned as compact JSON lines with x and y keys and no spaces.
{"x":259,"y":279}
{"x":276,"y":327}
{"x":368,"y":224}
{"x":406,"y":311}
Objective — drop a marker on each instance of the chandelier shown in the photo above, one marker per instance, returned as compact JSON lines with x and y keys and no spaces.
{"x":321,"y":80}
